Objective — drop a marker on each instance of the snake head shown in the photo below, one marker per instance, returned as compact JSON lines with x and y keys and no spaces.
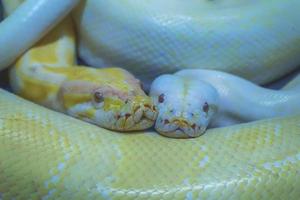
{"x":185,"y":107}
{"x":112,"y":98}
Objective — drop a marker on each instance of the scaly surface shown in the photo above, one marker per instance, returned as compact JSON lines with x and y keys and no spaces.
{"x":258,"y":40}
{"x":28,"y":24}
{"x":48,"y":75}
{"x":47,"y":154}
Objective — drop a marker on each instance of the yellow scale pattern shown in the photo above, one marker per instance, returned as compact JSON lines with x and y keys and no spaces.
{"x":32,"y":76}
{"x":40,"y":72}
{"x":44,"y":154}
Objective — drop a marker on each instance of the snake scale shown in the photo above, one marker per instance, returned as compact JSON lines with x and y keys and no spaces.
{"x":47,"y":155}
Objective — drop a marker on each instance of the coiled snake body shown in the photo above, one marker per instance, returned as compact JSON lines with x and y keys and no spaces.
{"x":47,"y":155}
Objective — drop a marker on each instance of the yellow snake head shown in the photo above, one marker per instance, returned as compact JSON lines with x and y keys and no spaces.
{"x":185,"y":107}
{"x":111,"y":98}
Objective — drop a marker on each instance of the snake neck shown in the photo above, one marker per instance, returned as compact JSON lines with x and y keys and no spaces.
{"x":243,"y":101}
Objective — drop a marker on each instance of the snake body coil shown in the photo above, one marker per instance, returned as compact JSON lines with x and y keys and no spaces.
{"x":15,"y":34}
{"x":44,"y":154}
{"x":257,"y":40}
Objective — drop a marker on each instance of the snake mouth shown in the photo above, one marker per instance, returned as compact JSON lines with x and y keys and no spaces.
{"x":180,"y":133}
{"x":178,"y":128}
{"x":142,"y":117}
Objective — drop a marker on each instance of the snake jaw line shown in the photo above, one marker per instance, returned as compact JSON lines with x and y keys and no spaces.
{"x":133,"y":116}
{"x":178,"y":128}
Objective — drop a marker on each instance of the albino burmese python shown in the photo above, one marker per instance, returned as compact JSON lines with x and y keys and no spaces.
{"x":48,"y":155}
{"x":190,"y":100}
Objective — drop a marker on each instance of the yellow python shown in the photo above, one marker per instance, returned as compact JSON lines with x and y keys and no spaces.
{"x":111,"y":98}
{"x":47,"y":155}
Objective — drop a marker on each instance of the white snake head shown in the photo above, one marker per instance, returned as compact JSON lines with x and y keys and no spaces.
{"x":185,"y":106}
{"x":112,"y":99}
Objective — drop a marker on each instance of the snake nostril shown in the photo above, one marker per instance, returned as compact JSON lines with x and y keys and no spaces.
{"x":193,"y":126}
{"x":127,"y":115}
{"x":166,"y":121}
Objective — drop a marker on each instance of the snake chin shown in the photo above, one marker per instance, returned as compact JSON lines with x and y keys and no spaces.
{"x":179,"y":128}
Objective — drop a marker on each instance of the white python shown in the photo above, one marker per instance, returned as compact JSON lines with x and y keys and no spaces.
{"x":258,"y":40}
{"x":29,"y":23}
{"x":190,"y":100}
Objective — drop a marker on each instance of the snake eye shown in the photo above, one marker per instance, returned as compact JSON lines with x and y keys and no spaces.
{"x":205,"y":107}
{"x":161,"y":98}
{"x":98,"y":97}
